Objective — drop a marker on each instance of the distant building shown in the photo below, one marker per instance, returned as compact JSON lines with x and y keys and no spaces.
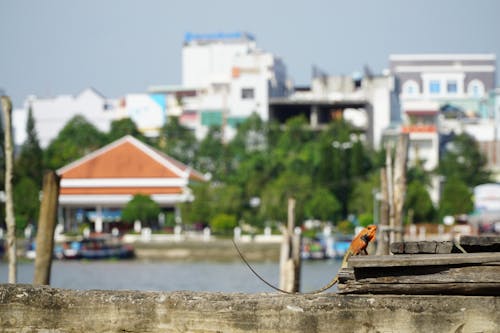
{"x":452,"y":87}
{"x":225,"y":78}
{"x":96,"y":187}
{"x":52,"y":114}
{"x":486,"y":215}
{"x":442,"y":95}
{"x":369,"y":103}
{"x":148,"y":111}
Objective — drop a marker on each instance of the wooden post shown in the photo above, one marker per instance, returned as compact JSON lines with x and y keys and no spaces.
{"x":390,"y":189}
{"x":9,"y":200}
{"x":383,"y":241}
{"x":290,"y":253}
{"x":46,"y":227}
{"x":399,"y":184}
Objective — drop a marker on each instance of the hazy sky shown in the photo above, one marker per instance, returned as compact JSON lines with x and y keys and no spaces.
{"x":54,"y":47}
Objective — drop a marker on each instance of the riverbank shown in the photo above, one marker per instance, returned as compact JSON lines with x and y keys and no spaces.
{"x":213,"y":250}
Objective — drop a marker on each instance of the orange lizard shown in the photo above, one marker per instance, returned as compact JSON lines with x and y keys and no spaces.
{"x":358,"y":246}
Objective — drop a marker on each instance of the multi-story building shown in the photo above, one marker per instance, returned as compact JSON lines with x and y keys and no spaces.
{"x":225,"y":78}
{"x":52,"y":114}
{"x":368,"y":102}
{"x":443,"y":94}
{"x":450,"y":86}
{"x":148,"y":111}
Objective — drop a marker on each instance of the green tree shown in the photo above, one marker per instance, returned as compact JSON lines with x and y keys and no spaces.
{"x":250,"y":137}
{"x":141,"y":208}
{"x":227,"y":199}
{"x":178,"y":141}
{"x":223,"y":223}
{"x":464,"y":160}
{"x":200,"y":210}
{"x":78,"y":138}
{"x":122,"y":127}
{"x":419,"y":202}
{"x":322,"y":205}
{"x":26,"y":202}
{"x":456,"y":198}
{"x":274,"y":203}
{"x":362,"y":196}
{"x":30,"y":161}
{"x":214,"y":156}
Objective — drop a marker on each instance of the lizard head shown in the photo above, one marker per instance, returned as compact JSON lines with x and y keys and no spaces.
{"x":369,"y":233}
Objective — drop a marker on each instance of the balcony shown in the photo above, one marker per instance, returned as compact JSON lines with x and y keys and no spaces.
{"x":419,"y":128}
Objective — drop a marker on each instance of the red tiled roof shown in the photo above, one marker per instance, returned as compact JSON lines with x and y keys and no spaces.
{"x":127,"y":158}
{"x":126,"y":167}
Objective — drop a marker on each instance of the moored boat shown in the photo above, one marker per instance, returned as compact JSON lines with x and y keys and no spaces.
{"x":97,"y":247}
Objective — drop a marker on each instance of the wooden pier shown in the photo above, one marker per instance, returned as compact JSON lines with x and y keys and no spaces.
{"x":427,"y":268}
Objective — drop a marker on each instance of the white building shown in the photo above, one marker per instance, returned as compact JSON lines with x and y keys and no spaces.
{"x":454,"y":86}
{"x":52,"y":114}
{"x":442,"y":94}
{"x":225,"y":78}
{"x":148,"y":111}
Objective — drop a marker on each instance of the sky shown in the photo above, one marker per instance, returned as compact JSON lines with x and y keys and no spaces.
{"x":55,"y":47}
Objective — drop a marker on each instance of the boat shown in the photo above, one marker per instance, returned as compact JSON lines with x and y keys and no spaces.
{"x":313,"y":249}
{"x":97,"y":247}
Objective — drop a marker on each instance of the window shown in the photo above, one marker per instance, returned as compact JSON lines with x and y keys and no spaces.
{"x":475,"y":88}
{"x":434,"y":87}
{"x":410,"y":88}
{"x":247,"y":93}
{"x":451,"y":87}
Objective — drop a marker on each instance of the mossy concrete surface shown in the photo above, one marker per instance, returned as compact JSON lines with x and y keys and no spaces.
{"x":26,"y":308}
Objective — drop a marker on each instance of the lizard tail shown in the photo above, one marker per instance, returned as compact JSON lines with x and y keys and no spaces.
{"x":328,"y":286}
{"x":257,"y":274}
{"x":317,"y":291}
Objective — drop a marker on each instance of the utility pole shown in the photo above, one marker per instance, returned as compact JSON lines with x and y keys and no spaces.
{"x":9,"y":201}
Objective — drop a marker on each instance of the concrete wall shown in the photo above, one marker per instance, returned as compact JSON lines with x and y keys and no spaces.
{"x":24,"y":308}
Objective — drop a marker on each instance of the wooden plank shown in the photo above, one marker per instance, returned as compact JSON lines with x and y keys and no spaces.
{"x":476,"y":289}
{"x":470,"y":243}
{"x":424,"y":259}
{"x":422,"y":247}
{"x":430,"y":274}
{"x":480,"y":240}
{"x":480,"y":243}
{"x":345,"y":274}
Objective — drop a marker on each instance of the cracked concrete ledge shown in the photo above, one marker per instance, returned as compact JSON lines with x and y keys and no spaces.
{"x":26,"y":308}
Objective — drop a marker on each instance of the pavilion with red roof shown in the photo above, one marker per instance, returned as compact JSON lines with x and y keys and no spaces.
{"x":97,"y":186}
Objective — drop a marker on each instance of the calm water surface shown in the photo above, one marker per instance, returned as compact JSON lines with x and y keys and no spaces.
{"x":170,"y":276}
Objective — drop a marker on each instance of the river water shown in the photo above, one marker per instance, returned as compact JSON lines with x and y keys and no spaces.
{"x":171,"y":276}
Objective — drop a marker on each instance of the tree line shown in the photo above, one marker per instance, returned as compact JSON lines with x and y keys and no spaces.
{"x":331,"y":173}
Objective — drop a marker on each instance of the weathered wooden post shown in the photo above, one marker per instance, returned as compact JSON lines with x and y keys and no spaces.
{"x":290,"y":253}
{"x":46,"y":227}
{"x":383,"y":246}
{"x":9,"y":200}
{"x":399,"y":184}
{"x":390,"y":189}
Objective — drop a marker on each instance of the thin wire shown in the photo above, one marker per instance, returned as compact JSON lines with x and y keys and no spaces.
{"x":257,"y":274}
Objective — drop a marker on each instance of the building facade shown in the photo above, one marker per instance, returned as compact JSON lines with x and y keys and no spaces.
{"x":442,"y":95}
{"x":95,"y":188}
{"x":225,"y":78}
{"x":148,"y":111}
{"x":452,"y":87}
{"x":368,"y":102}
{"x":52,"y":114}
